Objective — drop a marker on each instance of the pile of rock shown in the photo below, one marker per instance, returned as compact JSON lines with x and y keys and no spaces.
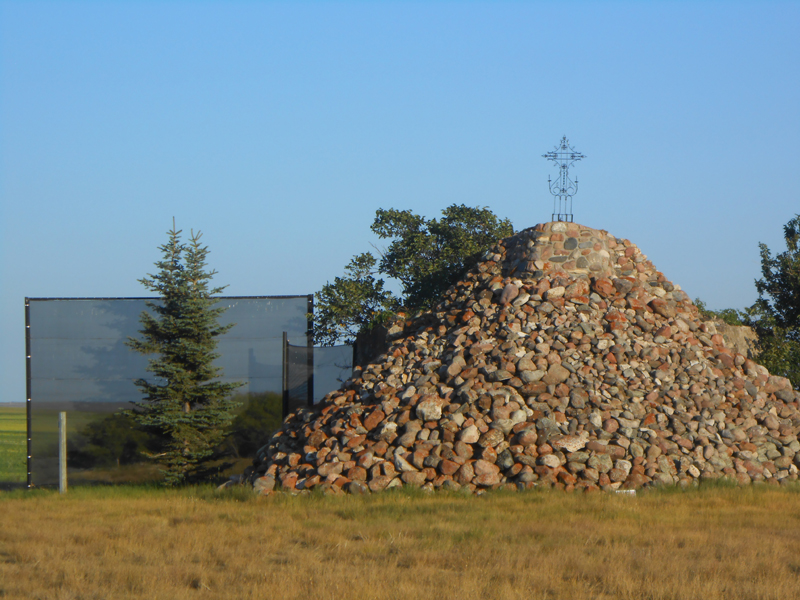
{"x":563,"y":359}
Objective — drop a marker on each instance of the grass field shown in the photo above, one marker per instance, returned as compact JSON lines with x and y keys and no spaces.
{"x":13,"y":430}
{"x":714,"y":543}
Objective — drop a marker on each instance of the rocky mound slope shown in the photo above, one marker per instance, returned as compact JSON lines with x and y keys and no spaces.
{"x":563,"y":359}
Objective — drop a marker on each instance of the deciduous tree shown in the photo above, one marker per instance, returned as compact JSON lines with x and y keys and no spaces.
{"x":776,"y":314}
{"x":352,"y":303}
{"x":425,"y":256}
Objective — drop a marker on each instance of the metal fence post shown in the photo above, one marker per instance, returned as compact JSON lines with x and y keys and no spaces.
{"x":28,"y":387}
{"x":285,"y":376}
{"x":310,"y":354}
{"x":62,"y":452}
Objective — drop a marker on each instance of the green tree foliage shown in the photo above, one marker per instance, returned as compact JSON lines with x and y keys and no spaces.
{"x":731,"y":316}
{"x":779,"y":287}
{"x":351,"y":303}
{"x":184,"y":404}
{"x":425,"y":256}
{"x":430,"y":256}
{"x":776,"y":314}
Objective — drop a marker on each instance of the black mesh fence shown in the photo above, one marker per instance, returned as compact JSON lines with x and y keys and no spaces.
{"x":333,"y":365}
{"x":310,"y":373}
{"x":77,"y":362}
{"x":298,"y":379}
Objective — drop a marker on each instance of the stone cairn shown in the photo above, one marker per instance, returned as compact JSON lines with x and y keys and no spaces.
{"x":563,"y":359}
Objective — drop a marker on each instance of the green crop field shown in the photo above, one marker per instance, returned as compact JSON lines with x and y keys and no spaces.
{"x":13,"y":427}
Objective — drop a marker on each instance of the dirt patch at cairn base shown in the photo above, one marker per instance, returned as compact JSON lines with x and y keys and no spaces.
{"x":563,"y":359}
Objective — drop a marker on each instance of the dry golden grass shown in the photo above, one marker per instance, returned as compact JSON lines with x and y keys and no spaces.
{"x":712,"y":543}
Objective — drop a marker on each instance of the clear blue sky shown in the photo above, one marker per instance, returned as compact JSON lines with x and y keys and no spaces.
{"x":279,"y":128}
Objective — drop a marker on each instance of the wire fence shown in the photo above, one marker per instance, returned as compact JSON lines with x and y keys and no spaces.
{"x":77,"y":361}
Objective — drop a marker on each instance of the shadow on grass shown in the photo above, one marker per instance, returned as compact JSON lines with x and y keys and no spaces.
{"x":398,"y":501}
{"x":721,"y":484}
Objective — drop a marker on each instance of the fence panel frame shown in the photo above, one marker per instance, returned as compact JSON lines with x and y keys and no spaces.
{"x":28,"y":357}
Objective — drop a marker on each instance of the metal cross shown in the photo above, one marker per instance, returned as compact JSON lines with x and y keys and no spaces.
{"x":563,"y":188}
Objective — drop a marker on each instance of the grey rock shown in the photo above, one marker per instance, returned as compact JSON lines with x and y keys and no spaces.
{"x":601,"y":462}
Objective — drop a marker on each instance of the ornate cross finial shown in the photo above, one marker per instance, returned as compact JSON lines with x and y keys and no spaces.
{"x":563,"y":189}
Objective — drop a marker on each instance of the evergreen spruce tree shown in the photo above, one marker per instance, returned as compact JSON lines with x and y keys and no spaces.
{"x":185,"y":404}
